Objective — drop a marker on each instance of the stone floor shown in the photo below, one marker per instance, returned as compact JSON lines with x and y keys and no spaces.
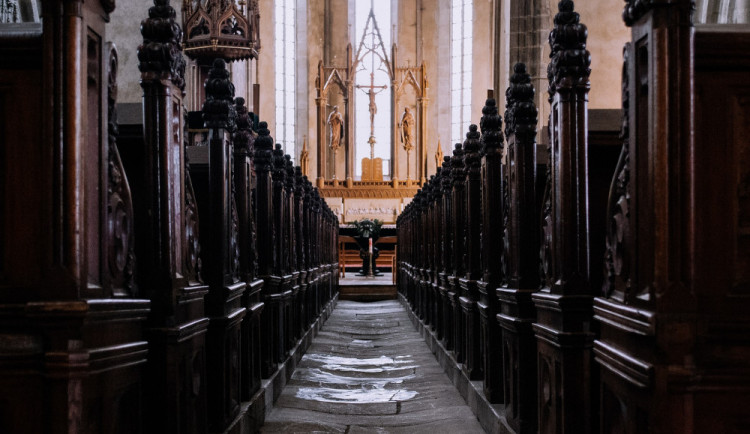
{"x":370,"y":371}
{"x":352,"y":278}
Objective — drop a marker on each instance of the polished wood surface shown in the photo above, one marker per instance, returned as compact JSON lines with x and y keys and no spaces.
{"x":618,"y":282}
{"x":136,"y":289}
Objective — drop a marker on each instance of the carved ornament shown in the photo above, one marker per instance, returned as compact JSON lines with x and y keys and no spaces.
{"x":569,"y":58}
{"x":221,"y":28}
{"x":159,"y":56}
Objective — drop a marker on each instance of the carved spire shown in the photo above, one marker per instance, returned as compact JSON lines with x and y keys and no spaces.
{"x":521,"y":112}
{"x":159,"y":55}
{"x":279,"y":166}
{"x":263,"y":148}
{"x":219,"y":110}
{"x":635,"y":9}
{"x":438,"y":183}
{"x":438,"y":155}
{"x":299,"y":187}
{"x":472,"y":146}
{"x":569,"y":59}
{"x":244,"y":137}
{"x":492,"y":127}
{"x":289,"y":167}
{"x":457,"y":165}
{"x":447,"y":177}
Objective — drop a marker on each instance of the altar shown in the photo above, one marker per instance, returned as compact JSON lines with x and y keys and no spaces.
{"x":378,"y":182}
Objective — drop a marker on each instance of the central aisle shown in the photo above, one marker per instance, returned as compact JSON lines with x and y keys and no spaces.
{"x":369,"y":370}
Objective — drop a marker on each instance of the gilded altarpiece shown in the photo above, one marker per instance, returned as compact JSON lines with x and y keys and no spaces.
{"x":409,"y":89}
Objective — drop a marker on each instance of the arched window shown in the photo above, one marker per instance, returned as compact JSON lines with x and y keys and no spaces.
{"x":373,"y":82}
{"x":285,"y":61}
{"x":461,"y":50}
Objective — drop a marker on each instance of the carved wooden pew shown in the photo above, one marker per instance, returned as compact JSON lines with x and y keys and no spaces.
{"x":673,"y":310}
{"x":244,"y":175}
{"x":520,"y":256}
{"x":263,"y":160}
{"x":564,"y":303}
{"x":447,"y":252}
{"x":73,"y":315}
{"x":437,"y":252}
{"x":458,"y":228}
{"x":167,"y":237}
{"x":493,"y":226}
{"x":472,"y":263}
{"x":221,"y":253}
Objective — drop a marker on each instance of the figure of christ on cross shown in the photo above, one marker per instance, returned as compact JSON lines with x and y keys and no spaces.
{"x":371,"y":93}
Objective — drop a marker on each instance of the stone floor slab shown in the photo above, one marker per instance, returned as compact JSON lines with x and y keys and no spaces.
{"x":370,"y":371}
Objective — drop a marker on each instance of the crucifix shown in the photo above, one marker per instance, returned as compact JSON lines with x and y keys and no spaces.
{"x":373,"y":108}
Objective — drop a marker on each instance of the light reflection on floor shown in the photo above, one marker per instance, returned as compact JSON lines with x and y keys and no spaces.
{"x":356,"y":387}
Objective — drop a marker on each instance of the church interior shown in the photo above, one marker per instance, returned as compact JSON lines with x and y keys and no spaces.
{"x":248,"y":214}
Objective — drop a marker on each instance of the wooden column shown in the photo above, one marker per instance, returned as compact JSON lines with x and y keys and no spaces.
{"x":492,"y":241}
{"x":563,"y":327}
{"x":458,"y":228}
{"x":299,"y":247}
{"x":446,"y":252}
{"x":244,"y":147}
{"x":472,"y":237}
{"x":310,"y":273}
{"x":264,"y":213}
{"x":167,"y":235}
{"x":289,"y":249}
{"x":438,"y":246}
{"x":521,"y":258}
{"x":221,"y":255}
{"x":280,"y":280}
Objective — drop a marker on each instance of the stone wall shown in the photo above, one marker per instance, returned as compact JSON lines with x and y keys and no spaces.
{"x":505,"y":32}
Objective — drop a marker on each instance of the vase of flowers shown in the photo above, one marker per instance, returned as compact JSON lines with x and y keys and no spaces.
{"x":368,"y":232}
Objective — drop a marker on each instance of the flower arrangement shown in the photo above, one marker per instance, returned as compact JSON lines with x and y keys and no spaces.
{"x":367,"y":228}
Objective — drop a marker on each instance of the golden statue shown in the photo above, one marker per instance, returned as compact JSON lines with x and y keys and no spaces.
{"x":407,"y":130}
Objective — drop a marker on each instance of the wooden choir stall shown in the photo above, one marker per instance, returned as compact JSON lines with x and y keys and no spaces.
{"x":495,"y":251}
{"x":139,"y":292}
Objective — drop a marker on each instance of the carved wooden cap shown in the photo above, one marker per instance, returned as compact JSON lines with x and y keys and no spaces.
{"x":569,"y":59}
{"x":492,"y":127}
{"x":159,"y":56}
{"x":521,"y":112}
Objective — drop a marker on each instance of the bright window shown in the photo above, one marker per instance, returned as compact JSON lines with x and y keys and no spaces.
{"x":375,"y":37}
{"x":461,"y":53}
{"x":285,"y":131}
